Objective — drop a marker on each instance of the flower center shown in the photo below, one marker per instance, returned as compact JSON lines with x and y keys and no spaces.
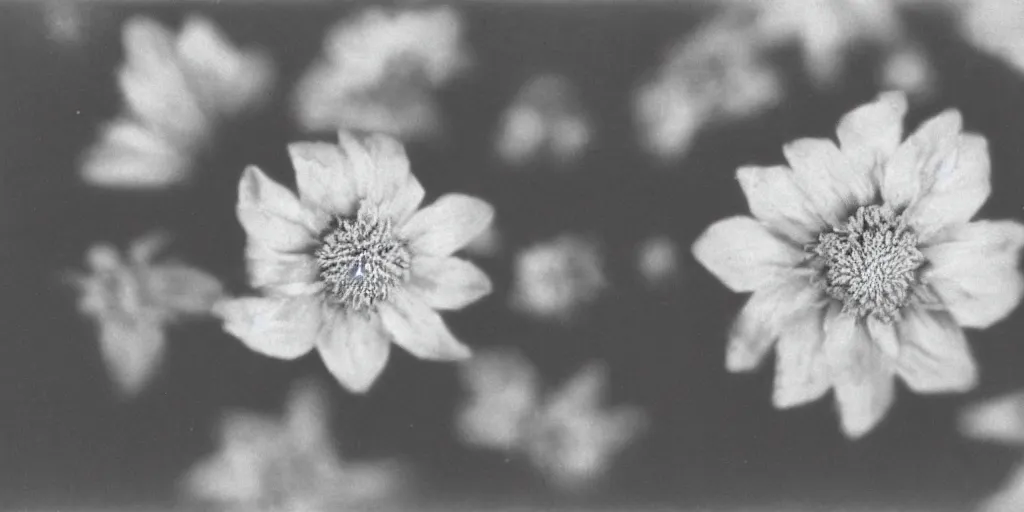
{"x":361,"y":260}
{"x":870,"y":263}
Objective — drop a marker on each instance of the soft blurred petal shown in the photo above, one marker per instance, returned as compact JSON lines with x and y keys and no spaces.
{"x":555,"y":279}
{"x":801,"y":373}
{"x":865,"y":397}
{"x":503,"y":391}
{"x":999,"y":419}
{"x":184,"y":289}
{"x":132,"y":351}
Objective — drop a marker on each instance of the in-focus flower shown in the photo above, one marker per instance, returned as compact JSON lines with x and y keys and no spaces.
{"x":351,"y":263}
{"x":566,"y":434}
{"x":1000,"y":420}
{"x":287,"y":464}
{"x":555,"y":279}
{"x":133,"y":299}
{"x":176,"y":90}
{"x":379,"y":72}
{"x":864,"y":262}
{"x":657,"y":261}
{"x":714,"y":75}
{"x":994,"y":26}
{"x":545,"y":119}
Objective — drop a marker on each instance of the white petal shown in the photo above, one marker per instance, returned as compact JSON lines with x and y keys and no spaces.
{"x":928,"y":152}
{"x":447,"y":225}
{"x":448,"y":282}
{"x":741,"y":253}
{"x":283,"y":328}
{"x":132,"y":351}
{"x":955,"y":192}
{"x":324,"y":177}
{"x":832,"y":185}
{"x":271,"y":215}
{"x":975,"y":272}
{"x":864,"y":399}
{"x":997,"y":419}
{"x":420,"y":330}
{"x":885,"y":337}
{"x":400,"y":191}
{"x":870,"y":133}
{"x":801,"y":375}
{"x":776,"y":199}
{"x":183,"y":289}
{"x":269,"y":268}
{"x":934,"y":357}
{"x":766,"y":314}
{"x":846,"y":336}
{"x":131,"y":155}
{"x":354,"y":350}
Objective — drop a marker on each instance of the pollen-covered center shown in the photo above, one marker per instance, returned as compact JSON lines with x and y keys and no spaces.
{"x":870,"y":263}
{"x":361,"y":260}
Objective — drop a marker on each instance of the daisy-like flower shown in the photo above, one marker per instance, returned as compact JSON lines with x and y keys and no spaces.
{"x":545,"y":119}
{"x":864,"y":262}
{"x":176,"y":90}
{"x":352,"y":264}
{"x":379,"y":71}
{"x":1000,"y":420}
{"x":133,"y":299}
{"x":566,"y":433}
{"x":555,"y":279}
{"x":287,"y":464}
{"x":994,"y":26}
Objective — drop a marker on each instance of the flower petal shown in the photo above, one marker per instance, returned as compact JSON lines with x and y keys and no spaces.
{"x":998,"y":419}
{"x":764,"y":317}
{"x":400,"y":192}
{"x":956,"y":191}
{"x":448,"y":282}
{"x":801,"y":375}
{"x":863,"y":399}
{"x":934,"y":357}
{"x":183,"y":289}
{"x":420,"y":330}
{"x":870,"y":133}
{"x":283,"y":328}
{"x":741,"y":253}
{"x":272,"y":215}
{"x":325,"y":179}
{"x":885,"y":337}
{"x":845,"y":338}
{"x":928,"y":152}
{"x":354,"y":349}
{"x":132,"y":350}
{"x":828,"y":178}
{"x":447,"y":225}
{"x":269,"y":268}
{"x":975,"y":272}
{"x":776,"y":199}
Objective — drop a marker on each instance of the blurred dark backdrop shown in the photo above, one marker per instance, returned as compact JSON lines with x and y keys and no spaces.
{"x":65,"y":439}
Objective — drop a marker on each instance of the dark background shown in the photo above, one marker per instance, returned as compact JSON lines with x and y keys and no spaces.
{"x":715,"y":440}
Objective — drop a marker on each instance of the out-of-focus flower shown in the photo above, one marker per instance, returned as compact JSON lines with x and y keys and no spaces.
{"x":556,"y":278}
{"x":714,"y":75}
{"x":176,"y":90}
{"x":353,"y":263}
{"x":908,"y":69}
{"x":545,"y":119}
{"x":65,"y":23}
{"x":996,"y":27}
{"x":657,"y":261}
{"x":864,"y":263}
{"x":287,"y":464}
{"x":566,"y":434}
{"x":133,"y":299}
{"x":1000,"y":420}
{"x":379,"y":71}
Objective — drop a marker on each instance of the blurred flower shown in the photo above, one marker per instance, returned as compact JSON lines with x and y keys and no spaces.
{"x":566,"y":434}
{"x":865,"y":264}
{"x":994,"y":26}
{"x":176,"y":89}
{"x":545,"y":119}
{"x":908,"y":69}
{"x":1002,"y":420}
{"x":352,"y":263}
{"x":289,"y":464}
{"x":657,"y":260}
{"x":65,"y":21}
{"x":133,"y":300}
{"x":556,"y":278}
{"x":714,"y":75}
{"x":379,"y":71}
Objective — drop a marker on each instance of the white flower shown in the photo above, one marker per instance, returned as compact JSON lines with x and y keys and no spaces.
{"x":352,"y":263}
{"x":1001,"y":420}
{"x":996,"y":27}
{"x":556,"y":278}
{"x":545,"y":119}
{"x":176,"y":89}
{"x":379,"y":71}
{"x":133,"y":300}
{"x":864,"y":263}
{"x":657,"y":261}
{"x":714,"y":75}
{"x":287,"y":464}
{"x":566,"y":434}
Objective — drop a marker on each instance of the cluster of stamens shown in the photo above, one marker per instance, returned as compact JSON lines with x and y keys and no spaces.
{"x":870,"y":263}
{"x":361,"y":261}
